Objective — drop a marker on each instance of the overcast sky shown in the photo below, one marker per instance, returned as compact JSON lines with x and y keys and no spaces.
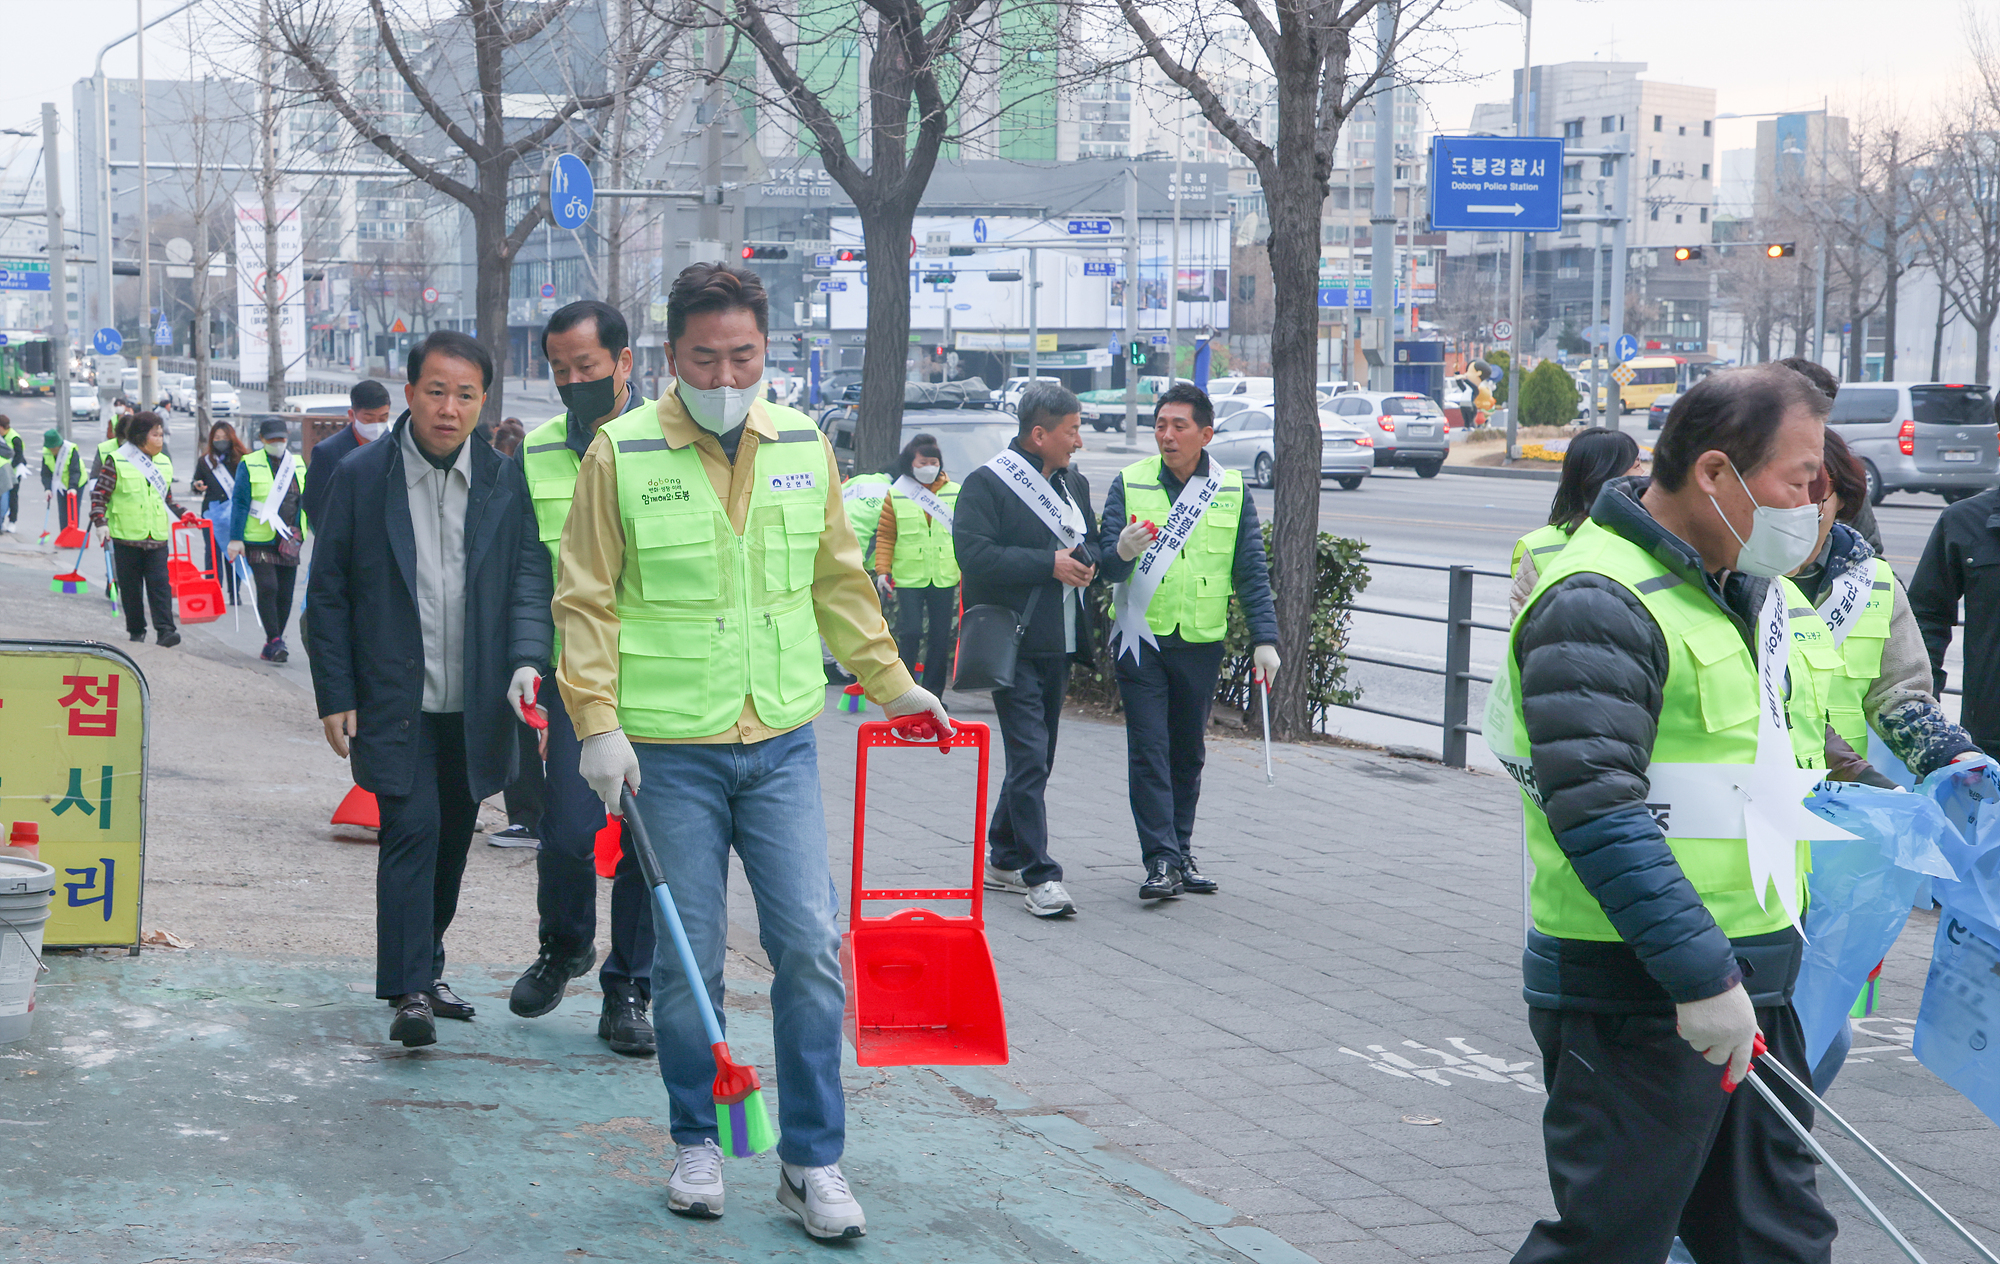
{"x":1759,"y":55}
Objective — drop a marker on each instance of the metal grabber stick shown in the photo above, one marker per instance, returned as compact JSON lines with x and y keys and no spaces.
{"x":1264,"y":701}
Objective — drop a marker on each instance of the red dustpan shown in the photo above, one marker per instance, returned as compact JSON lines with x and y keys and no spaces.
{"x":72,"y":536}
{"x":191,"y":571}
{"x":920,"y":984}
{"x":358,"y":808}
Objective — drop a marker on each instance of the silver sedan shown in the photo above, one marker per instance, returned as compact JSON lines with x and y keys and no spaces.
{"x":1246,"y":441}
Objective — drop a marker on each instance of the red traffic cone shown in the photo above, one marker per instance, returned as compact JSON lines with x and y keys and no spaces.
{"x":358,"y":808}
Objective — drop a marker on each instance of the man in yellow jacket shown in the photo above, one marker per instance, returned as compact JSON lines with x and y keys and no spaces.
{"x":706,"y":552}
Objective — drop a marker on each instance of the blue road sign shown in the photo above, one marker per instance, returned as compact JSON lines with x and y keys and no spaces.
{"x":833,"y":287}
{"x":1625,"y":349}
{"x":1099,"y":267}
{"x":164,"y":335}
{"x":1159,"y":340}
{"x":1496,"y":184}
{"x":1090,"y":228}
{"x":979,"y":231}
{"x":24,"y":274}
{"x":3,"y":340}
{"x":108,"y":341}
{"x":572,"y":192}
{"x":1332,"y":298}
{"x":1116,"y":346}
{"x":823,"y":261}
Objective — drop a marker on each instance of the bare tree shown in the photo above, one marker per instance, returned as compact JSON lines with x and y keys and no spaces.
{"x":1888,"y":161}
{"x":1310,"y":49}
{"x":454,"y":63}
{"x":1960,"y":226}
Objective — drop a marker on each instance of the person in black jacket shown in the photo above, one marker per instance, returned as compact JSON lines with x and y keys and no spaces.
{"x":367,"y":419}
{"x":1961,"y":562}
{"x":1016,"y":556}
{"x":430,"y":599}
{"x":1642,"y":1141}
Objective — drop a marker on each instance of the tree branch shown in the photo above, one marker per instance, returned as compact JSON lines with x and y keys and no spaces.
{"x":446,"y":124}
{"x":1212,"y":108}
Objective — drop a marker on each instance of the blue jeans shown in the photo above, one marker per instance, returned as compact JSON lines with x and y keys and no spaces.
{"x":764,"y":800}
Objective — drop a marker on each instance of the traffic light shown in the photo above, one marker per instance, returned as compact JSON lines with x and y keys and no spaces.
{"x":1003,"y":276}
{"x":1687,"y":254}
{"x":1138,"y":354}
{"x":766,"y":252}
{"x":1780,"y":250}
{"x":940,"y":278}
{"x":852,"y":256}
{"x":962,"y":250}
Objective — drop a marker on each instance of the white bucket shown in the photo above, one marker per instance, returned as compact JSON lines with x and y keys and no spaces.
{"x":26,"y":888}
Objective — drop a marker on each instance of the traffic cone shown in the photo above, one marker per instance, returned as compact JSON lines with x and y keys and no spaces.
{"x":358,"y":808}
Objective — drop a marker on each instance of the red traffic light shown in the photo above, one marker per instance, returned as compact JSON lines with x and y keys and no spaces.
{"x":852,"y":256}
{"x":749,"y":252}
{"x":1779,"y":250}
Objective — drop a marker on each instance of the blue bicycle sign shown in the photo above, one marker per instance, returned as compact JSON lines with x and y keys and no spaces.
{"x":572,"y":193}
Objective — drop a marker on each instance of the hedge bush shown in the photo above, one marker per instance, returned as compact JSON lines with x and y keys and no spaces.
{"x":1548,"y":397}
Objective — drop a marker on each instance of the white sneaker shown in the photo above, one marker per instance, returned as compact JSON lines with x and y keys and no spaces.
{"x":1048,"y":899}
{"x":695,"y":1187}
{"x":1005,"y":880}
{"x":819,"y":1197}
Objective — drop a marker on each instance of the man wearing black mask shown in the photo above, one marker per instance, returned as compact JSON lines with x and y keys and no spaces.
{"x":587,"y":346}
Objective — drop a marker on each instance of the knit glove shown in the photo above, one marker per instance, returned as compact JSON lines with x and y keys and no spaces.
{"x":1135,"y":539}
{"x":1722,"y":1029}
{"x":884,"y":585}
{"x":917,"y":699}
{"x":521,"y":690}
{"x":1264,"y":663}
{"x":606,"y":762}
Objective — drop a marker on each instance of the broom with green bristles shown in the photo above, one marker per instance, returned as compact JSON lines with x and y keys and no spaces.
{"x":742,"y":1120}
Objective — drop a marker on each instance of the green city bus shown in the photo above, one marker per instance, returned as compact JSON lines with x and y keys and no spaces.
{"x":27,"y":365}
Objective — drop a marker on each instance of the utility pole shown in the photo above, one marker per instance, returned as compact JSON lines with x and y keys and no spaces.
{"x":1174,"y":268}
{"x":1517,"y":346}
{"x":711,"y":139}
{"x":1597,"y":305}
{"x":149,"y":393}
{"x":1382,"y":219}
{"x":58,"y":264}
{"x":274,"y":268}
{"x":1819,"y":238}
{"x":1034,"y":317}
{"x":1621,"y":181}
{"x":1131,"y":302}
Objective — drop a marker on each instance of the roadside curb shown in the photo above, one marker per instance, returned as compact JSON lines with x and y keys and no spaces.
{"x":1492,"y":471}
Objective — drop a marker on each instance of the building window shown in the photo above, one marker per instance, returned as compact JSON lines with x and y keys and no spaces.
{"x":1655,"y":215}
{"x":1246,"y":287}
{"x":1573,"y":178}
{"x":1607,"y":166}
{"x":1684,"y":130}
{"x":1677,"y":219}
{"x":1658,"y":119}
{"x":1707,"y":128}
{"x":1656,"y":166}
{"x":1704,"y":215}
{"x":1570,"y":227}
{"x":1609,"y":123}
{"x":1573,"y":129}
{"x":1704,"y":171}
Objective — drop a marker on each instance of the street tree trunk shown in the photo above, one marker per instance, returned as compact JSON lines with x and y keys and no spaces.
{"x":878,"y":423}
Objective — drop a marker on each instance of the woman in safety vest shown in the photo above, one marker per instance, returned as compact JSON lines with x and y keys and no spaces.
{"x":214,"y":480}
{"x":914,"y":558}
{"x":62,"y":473}
{"x":1595,"y":456}
{"x":132,"y":504}
{"x":267,"y":524}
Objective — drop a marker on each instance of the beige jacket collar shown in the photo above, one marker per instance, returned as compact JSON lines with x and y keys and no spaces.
{"x":416,"y":466}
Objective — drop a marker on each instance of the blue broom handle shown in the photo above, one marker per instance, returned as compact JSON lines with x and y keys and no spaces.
{"x":649,"y":866}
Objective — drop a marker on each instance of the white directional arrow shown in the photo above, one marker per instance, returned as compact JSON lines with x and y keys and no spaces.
{"x":1515,"y":209}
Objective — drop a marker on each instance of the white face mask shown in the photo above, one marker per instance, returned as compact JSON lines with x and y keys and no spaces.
{"x":926,"y":474}
{"x":1780,"y":539}
{"x":371,"y":430}
{"x":719,"y":409}
{"x":276,"y":447}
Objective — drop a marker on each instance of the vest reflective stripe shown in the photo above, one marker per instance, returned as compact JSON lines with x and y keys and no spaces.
{"x":863,"y":495}
{"x":706,"y":616}
{"x":1708,"y":715}
{"x":135,"y":511}
{"x":1861,"y":660}
{"x":551,"y":465}
{"x":258,"y":466}
{"x":924,"y":557}
{"x":1193,"y":595}
{"x":1540,"y":542}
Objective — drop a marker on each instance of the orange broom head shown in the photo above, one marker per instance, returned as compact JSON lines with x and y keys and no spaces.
{"x":733,"y":1081}
{"x":358,"y":808}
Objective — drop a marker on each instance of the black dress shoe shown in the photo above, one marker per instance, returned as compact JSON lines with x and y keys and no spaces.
{"x":414,"y":1025}
{"x":167,"y":639}
{"x":1194,"y":882}
{"x":445,"y":1003}
{"x":139,"y":636}
{"x":541,"y":988}
{"x":1162,"y":881}
{"x":625,"y":1025}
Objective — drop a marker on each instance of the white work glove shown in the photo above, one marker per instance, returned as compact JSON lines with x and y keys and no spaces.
{"x":1135,"y":539}
{"x":1722,"y":1029}
{"x":607,"y":762}
{"x":884,"y":585}
{"x":1264,"y":663}
{"x":235,"y":549}
{"x":919,"y":699}
{"x":521,"y":691}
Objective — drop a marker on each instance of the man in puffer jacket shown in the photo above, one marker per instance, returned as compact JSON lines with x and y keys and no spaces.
{"x":1638,"y":697}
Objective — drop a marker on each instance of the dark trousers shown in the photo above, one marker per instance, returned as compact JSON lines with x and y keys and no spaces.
{"x":142,"y":580}
{"x":425,"y":835}
{"x":1167,"y":695}
{"x":274,"y":596}
{"x":524,"y":794}
{"x":1029,"y":712}
{"x":566,"y":893}
{"x":1643,"y":1144}
{"x":933,"y":650}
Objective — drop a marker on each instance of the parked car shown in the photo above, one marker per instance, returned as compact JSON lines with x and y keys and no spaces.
{"x":967,"y":437}
{"x":1105,"y":410}
{"x":82,"y":400}
{"x":1327,"y":390}
{"x":1408,"y":429}
{"x":1246,"y":440}
{"x":176,"y":392}
{"x":328,"y":405}
{"x":1010,"y":390}
{"x":1656,"y":414}
{"x":1223,"y":387}
{"x":1921,"y":436}
{"x":1237,"y":403}
{"x":223,"y":400}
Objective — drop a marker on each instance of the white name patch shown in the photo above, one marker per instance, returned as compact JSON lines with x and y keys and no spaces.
{"x":800,"y":482}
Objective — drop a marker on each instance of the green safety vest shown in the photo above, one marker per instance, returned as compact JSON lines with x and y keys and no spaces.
{"x":1708,"y":715}
{"x":1193,"y":595}
{"x":924,"y":556}
{"x":136,"y":511}
{"x":707,"y":616}
{"x":262,"y":473}
{"x":551,"y":465}
{"x":863,"y":496}
{"x":1539,"y":543}
{"x":59,"y":479}
{"x":1861,"y":660}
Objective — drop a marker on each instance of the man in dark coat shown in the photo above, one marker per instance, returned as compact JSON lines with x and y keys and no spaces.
{"x":430,"y":596}
{"x":367,"y":419}
{"x":1962,"y":563}
{"x":1013,"y":554}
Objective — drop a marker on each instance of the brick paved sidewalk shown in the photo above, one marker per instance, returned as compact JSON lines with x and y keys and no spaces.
{"x":1335,"y":1046}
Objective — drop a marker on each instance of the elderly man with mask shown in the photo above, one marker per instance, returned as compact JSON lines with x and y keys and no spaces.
{"x":587,"y":345}
{"x":367,"y":420}
{"x":706,"y":552}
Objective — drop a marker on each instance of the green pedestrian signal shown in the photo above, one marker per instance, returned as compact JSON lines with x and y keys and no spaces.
{"x":1138,"y":354}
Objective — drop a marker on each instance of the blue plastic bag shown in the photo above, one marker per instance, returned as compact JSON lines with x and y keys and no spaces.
{"x":1860,"y":893}
{"x":1971,"y":803}
{"x":1960,"y":1017}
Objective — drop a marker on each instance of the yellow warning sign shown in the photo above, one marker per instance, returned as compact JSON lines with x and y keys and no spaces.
{"x":1622,"y":375}
{"x":399,"y":327}
{"x":73,"y":724}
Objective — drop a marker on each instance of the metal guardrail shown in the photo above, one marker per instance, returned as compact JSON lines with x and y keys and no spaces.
{"x":1457,"y":670}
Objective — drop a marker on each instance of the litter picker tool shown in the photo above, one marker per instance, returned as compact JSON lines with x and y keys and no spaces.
{"x":1763,"y":1056}
{"x":742,"y":1120}
{"x":1264,"y":701}
{"x":110,"y":584}
{"x":48,"y":502}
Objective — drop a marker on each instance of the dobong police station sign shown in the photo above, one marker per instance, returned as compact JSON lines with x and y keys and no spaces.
{"x":73,"y":726}
{"x":1496,"y":184}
